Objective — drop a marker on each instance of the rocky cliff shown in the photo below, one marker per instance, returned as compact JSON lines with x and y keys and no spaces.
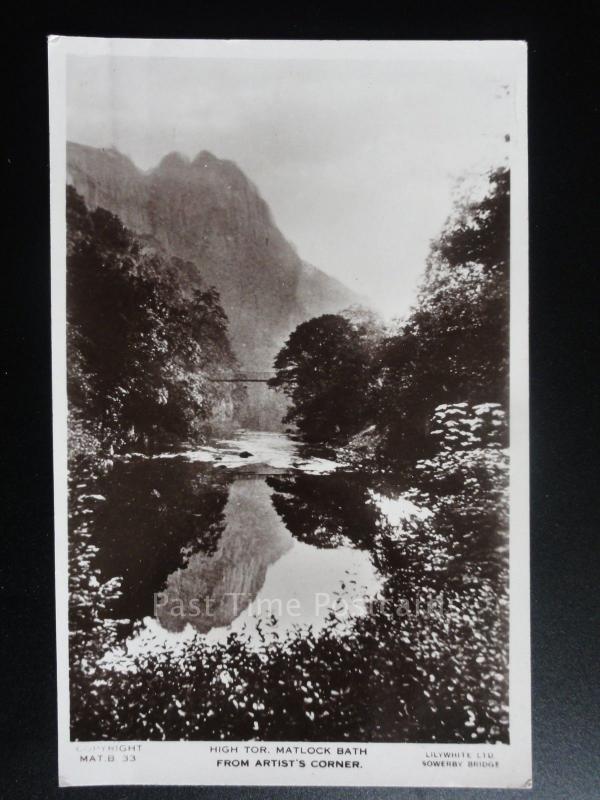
{"x":207,"y":212}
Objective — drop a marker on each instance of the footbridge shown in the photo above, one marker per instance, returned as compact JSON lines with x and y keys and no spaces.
{"x":244,"y":376}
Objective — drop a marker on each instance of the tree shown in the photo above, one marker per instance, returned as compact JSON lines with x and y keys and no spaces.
{"x":454,"y":345}
{"x":141,"y":350}
{"x":323,"y":369}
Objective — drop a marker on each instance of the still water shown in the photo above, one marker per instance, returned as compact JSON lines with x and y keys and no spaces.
{"x":254,"y":535}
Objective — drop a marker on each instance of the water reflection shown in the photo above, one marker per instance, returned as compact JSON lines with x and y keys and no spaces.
{"x":207,"y":550}
{"x":327,"y":511}
{"x":214,"y":588}
{"x":152,"y":520}
{"x":261,"y":577}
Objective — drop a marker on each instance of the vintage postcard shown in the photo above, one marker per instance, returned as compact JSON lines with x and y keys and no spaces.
{"x":290,"y":378}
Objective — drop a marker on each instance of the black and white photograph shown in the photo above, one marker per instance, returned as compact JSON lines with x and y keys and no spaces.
{"x":289,"y":302}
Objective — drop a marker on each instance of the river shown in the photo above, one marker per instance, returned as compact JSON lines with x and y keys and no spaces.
{"x":254,"y":534}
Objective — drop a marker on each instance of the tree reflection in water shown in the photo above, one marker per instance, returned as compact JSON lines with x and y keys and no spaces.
{"x":151,"y":522}
{"x":327,"y":510}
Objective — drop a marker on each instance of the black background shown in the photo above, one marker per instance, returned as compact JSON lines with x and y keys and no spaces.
{"x":563,"y":116}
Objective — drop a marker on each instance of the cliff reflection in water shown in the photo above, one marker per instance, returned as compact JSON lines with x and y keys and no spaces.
{"x":212,"y":589}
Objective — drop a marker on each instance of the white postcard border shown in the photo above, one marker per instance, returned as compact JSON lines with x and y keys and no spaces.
{"x":385,"y":764}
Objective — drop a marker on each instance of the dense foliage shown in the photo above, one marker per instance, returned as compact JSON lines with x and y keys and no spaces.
{"x":452,"y":348}
{"x":428,"y":662}
{"x":141,"y":350}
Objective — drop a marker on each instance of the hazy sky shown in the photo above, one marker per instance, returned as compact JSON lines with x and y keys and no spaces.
{"x":357,"y":159}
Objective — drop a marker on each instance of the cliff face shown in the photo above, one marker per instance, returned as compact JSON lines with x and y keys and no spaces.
{"x":207,"y":212}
